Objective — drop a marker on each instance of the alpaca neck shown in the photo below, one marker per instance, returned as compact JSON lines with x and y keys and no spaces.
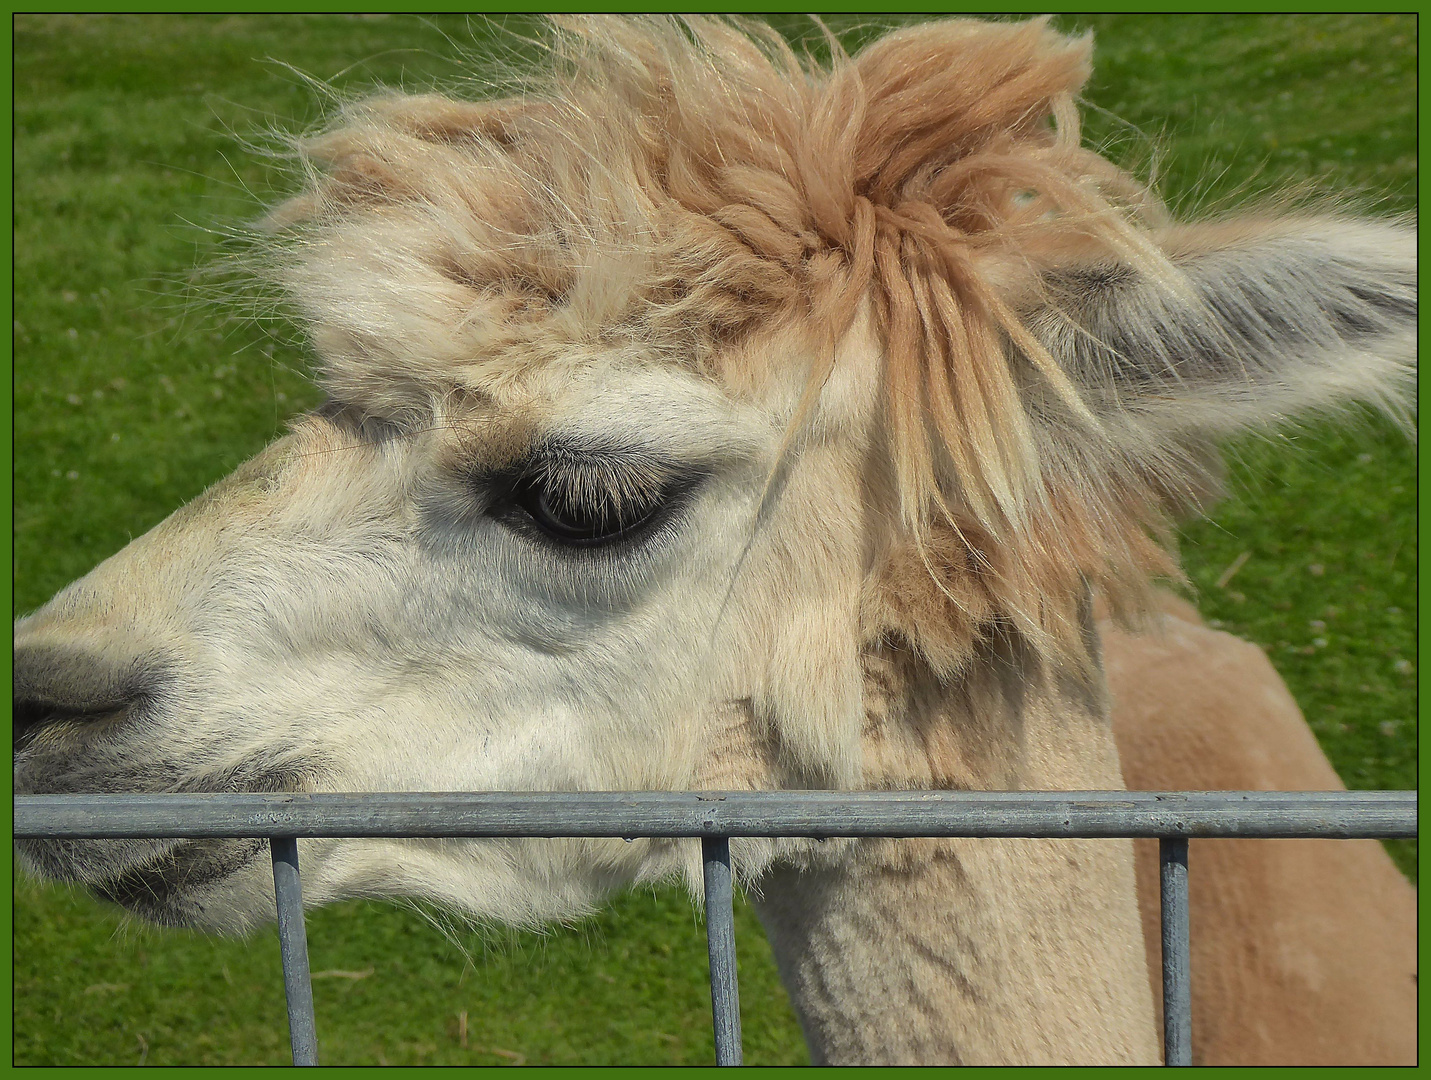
{"x":969,"y":951}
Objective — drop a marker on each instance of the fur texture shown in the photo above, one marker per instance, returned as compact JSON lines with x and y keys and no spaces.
{"x":1303,"y":951}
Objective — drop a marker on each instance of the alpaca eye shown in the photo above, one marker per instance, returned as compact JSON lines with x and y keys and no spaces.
{"x":588,"y":518}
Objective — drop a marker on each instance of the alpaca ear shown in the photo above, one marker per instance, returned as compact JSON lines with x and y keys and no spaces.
{"x":1263,"y":320}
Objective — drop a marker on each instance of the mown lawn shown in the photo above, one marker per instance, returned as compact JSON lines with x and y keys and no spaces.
{"x":135,"y":154}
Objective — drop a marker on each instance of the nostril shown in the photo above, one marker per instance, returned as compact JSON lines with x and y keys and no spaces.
{"x":77,"y":687}
{"x":32,"y":715}
{"x":28,"y":716}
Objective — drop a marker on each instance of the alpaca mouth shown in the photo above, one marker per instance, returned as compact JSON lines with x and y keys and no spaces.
{"x":59,"y":771}
{"x":161,"y":890}
{"x":155,"y":879}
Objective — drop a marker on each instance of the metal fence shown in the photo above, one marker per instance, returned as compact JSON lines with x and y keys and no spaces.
{"x":714,"y":818}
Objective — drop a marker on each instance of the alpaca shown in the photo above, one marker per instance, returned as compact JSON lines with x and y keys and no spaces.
{"x":915,"y":377}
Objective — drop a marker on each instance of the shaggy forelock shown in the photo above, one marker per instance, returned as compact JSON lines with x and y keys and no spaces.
{"x":681,"y":183}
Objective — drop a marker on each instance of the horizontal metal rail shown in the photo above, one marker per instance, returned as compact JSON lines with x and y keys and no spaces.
{"x":820,"y":814}
{"x":715,"y":817}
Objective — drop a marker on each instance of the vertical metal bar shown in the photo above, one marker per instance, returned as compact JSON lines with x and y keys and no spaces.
{"x":1177,"y":953}
{"x":720,"y":939}
{"x":293,"y":947}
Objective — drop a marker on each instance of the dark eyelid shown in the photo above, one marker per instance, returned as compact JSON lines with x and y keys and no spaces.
{"x":652,"y":481}
{"x":568,"y":458}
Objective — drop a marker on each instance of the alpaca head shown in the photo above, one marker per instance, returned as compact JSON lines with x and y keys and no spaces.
{"x":660,"y":393}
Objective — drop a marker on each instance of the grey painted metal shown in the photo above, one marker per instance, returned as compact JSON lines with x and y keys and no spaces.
{"x":293,"y":946}
{"x":720,"y":940}
{"x":1177,"y":951}
{"x":1333,"y":814}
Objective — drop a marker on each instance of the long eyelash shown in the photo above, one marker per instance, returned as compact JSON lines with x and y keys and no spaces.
{"x":627,"y":484}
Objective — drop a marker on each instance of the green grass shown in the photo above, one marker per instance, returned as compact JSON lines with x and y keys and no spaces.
{"x":131,"y":157}
{"x":626,"y":986}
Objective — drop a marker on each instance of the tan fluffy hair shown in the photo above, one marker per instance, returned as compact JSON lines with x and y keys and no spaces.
{"x":684,"y":182}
